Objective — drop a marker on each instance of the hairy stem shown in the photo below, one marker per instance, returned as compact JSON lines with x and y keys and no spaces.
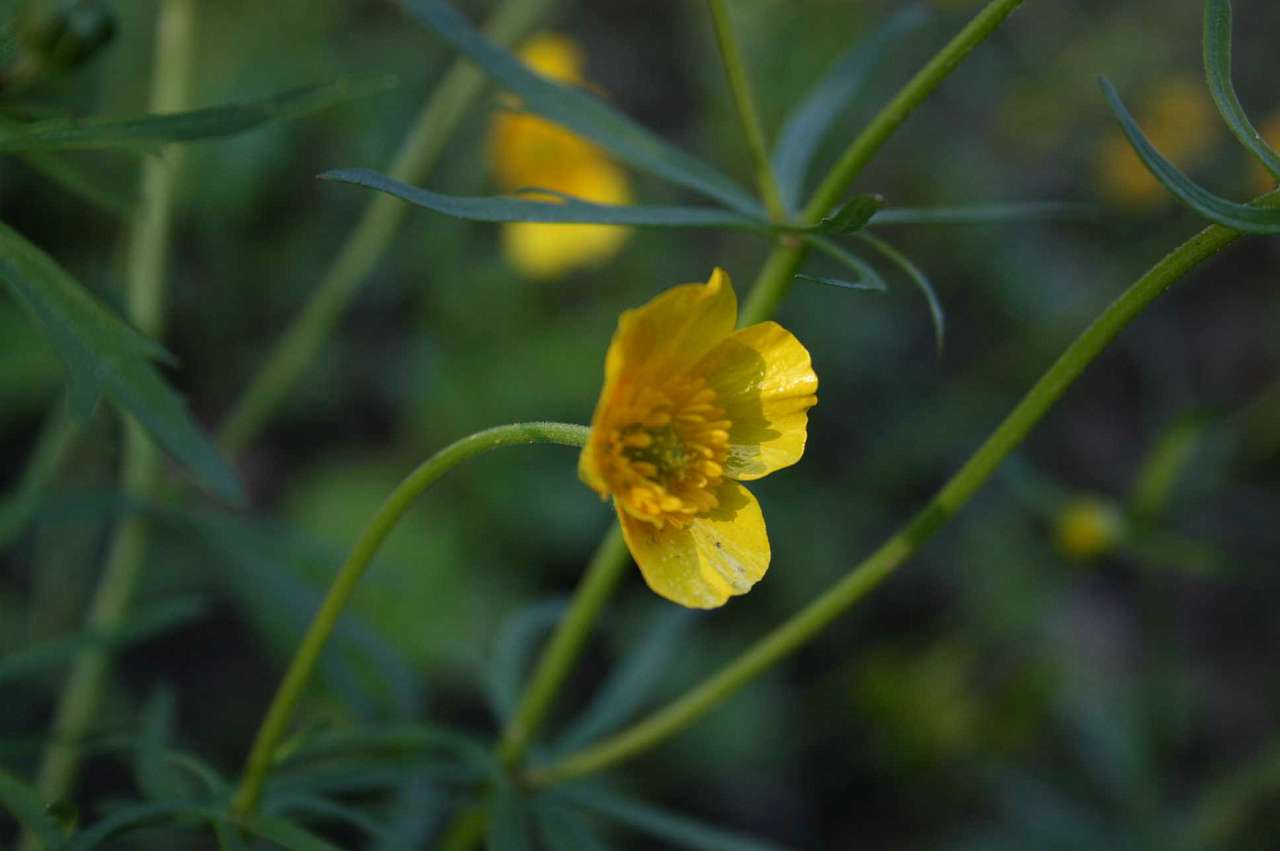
{"x":748,"y":116}
{"x":867,"y":575}
{"x":421,"y":148}
{"x":144,"y":304}
{"x":291,"y":689}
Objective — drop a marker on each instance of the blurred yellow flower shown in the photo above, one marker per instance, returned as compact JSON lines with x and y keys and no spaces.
{"x":689,"y":408}
{"x":527,"y":152}
{"x":1263,"y":180}
{"x":1088,"y":528}
{"x":1180,"y":120}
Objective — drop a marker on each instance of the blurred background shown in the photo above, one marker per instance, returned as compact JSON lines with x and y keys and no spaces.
{"x":1085,"y":657}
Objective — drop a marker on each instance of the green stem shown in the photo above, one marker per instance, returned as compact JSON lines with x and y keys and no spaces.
{"x":595,"y":588}
{"x":786,"y":638}
{"x":344,"y":583}
{"x":296,"y":349}
{"x":736,"y":71}
{"x":144,"y":301}
{"x":775,"y":279}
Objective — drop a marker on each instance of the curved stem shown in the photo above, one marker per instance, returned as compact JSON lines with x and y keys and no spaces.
{"x":304,"y":660}
{"x":144,"y":301}
{"x":774,"y":281}
{"x":421,"y":148}
{"x":864,"y":577}
{"x":594,"y":590}
{"x":748,"y":116}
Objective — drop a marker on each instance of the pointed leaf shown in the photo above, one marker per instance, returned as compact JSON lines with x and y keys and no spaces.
{"x":150,"y":131}
{"x":23,"y":803}
{"x":1217,"y":67}
{"x":853,"y":216}
{"x":1241,"y":217}
{"x":868,"y":278}
{"x":105,"y":356}
{"x":580,"y":111}
{"x":918,"y":278}
{"x":813,"y":117}
{"x":565,"y":210}
{"x":876,"y":286}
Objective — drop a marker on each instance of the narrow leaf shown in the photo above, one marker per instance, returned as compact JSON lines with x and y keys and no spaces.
{"x":853,"y":216}
{"x":150,"y":761}
{"x":517,"y":641}
{"x":150,"y":131}
{"x":868,"y":278}
{"x":285,"y":833}
{"x":565,"y":210}
{"x":678,"y":830}
{"x":561,"y":828}
{"x":580,"y":111}
{"x":912,"y":271}
{"x":809,"y":122}
{"x":1241,"y":217}
{"x":23,"y":803}
{"x":134,"y":816}
{"x":1217,"y":68}
{"x":104,"y":356}
{"x":509,"y":827}
{"x":985,"y":214}
{"x":632,"y":681}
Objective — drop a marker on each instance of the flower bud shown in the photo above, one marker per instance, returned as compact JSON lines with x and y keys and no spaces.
{"x":1087,"y":528}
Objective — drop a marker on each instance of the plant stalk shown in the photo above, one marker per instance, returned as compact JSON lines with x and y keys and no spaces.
{"x":296,"y":349}
{"x":146,"y":259}
{"x":291,"y":689}
{"x":867,"y":575}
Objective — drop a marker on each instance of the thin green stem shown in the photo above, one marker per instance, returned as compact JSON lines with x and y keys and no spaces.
{"x":736,"y":70}
{"x":278,"y":716}
{"x":774,"y":280}
{"x":296,"y":349}
{"x":595,"y":588}
{"x":144,"y":302}
{"x":864,"y":577}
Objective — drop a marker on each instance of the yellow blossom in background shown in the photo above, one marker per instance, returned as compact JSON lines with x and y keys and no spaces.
{"x":1181,"y":121}
{"x":689,"y":408}
{"x":1088,"y":528}
{"x":528,"y":151}
{"x":1263,"y":180}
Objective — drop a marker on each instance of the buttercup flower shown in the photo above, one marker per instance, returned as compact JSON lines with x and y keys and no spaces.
{"x":530,"y":152}
{"x":690,"y":408}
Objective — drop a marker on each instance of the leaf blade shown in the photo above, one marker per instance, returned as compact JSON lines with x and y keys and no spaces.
{"x":1217,"y":67}
{"x":918,"y":277}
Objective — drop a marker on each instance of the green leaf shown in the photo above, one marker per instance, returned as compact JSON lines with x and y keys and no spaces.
{"x":398,"y":743}
{"x":986,"y":214}
{"x":562,"y":828}
{"x":517,"y":642}
{"x":1241,"y":217}
{"x":150,"y":767}
{"x":88,"y":185}
{"x":868,"y":278}
{"x":151,"y":131}
{"x":508,"y":827}
{"x":23,"y":803}
{"x":580,"y":111}
{"x":322,"y":809}
{"x":567,"y":210}
{"x":134,"y":816}
{"x":104,"y":356}
{"x":918,"y":278}
{"x":1217,"y":67}
{"x":675,"y":829}
{"x":285,"y":833}
{"x":809,"y":122}
{"x":852,"y":216}
{"x":632,"y":681}
{"x":159,"y":620}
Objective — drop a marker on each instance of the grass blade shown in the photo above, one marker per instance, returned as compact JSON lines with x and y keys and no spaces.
{"x":1217,"y":69}
{"x":1241,"y":217}
{"x":580,"y":111}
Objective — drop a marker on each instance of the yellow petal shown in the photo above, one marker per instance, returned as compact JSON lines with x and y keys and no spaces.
{"x":554,"y":56}
{"x":718,"y":555}
{"x":765,"y":382}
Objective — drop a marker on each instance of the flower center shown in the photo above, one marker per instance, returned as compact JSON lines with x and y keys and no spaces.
{"x":666,"y":454}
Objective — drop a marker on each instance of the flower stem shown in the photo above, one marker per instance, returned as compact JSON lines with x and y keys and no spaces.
{"x":296,"y":349}
{"x":594,"y":590}
{"x":736,"y":71}
{"x":864,"y":577}
{"x":774,"y":281}
{"x":144,"y":305}
{"x":304,"y":660}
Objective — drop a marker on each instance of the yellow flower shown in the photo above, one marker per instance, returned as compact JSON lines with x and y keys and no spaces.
{"x":690,"y":407}
{"x":1180,"y":121}
{"x":1087,"y":528}
{"x":530,"y":152}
